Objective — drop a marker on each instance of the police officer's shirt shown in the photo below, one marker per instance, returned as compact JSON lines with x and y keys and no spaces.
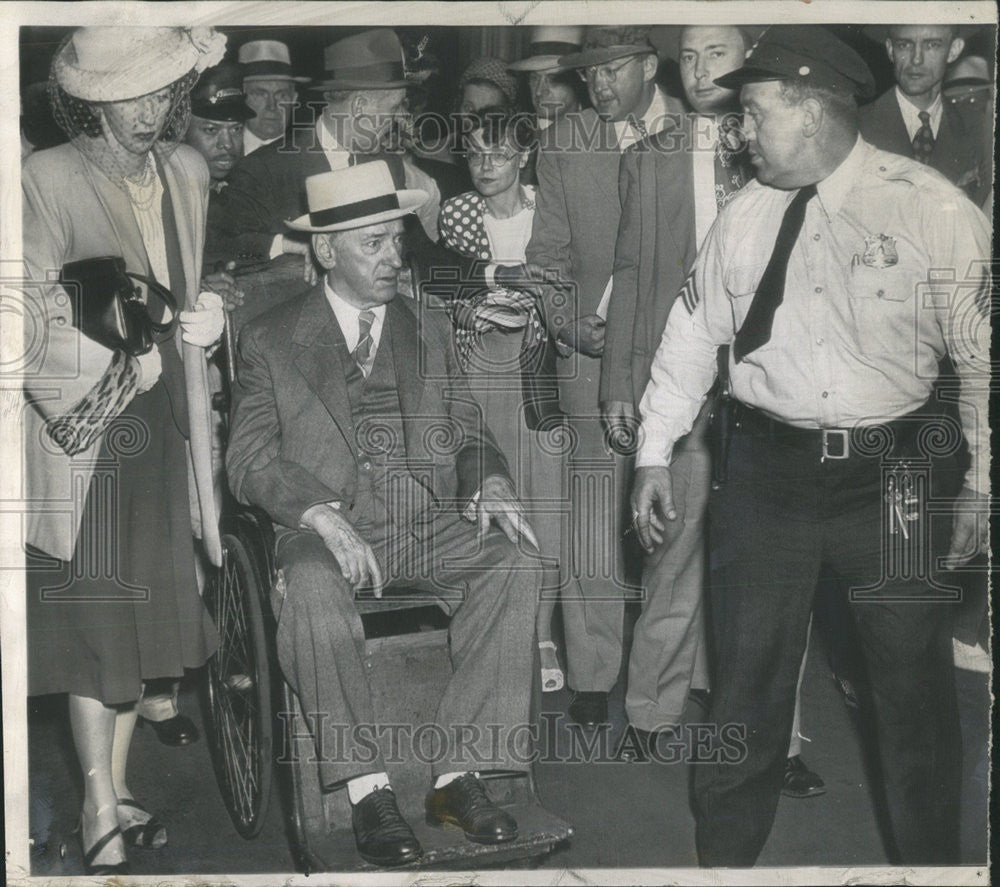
{"x":859,"y":334}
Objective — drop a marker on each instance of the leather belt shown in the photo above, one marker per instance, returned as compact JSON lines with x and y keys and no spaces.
{"x":826,"y":443}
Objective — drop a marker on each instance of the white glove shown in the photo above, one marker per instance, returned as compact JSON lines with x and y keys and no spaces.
{"x":150,"y":368}
{"x":203,"y":325}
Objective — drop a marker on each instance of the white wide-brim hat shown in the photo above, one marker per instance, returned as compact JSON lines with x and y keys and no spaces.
{"x":355,"y":197}
{"x":112,"y":64}
{"x":549,"y":43}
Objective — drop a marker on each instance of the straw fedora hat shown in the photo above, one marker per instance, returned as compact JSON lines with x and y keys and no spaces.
{"x":605,"y":43}
{"x":548,"y":44}
{"x":112,"y":64}
{"x":355,"y":197}
{"x":369,"y":60}
{"x":267,"y":60}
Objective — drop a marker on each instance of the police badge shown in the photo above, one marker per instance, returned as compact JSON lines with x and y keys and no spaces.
{"x":880,"y":251}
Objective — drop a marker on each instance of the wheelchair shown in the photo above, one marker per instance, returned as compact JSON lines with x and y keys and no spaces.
{"x":259,"y":740}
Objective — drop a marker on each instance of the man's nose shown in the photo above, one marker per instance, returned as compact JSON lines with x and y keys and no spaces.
{"x":270,"y":103}
{"x":917,"y":56}
{"x":225,"y":140}
{"x":394,"y":256}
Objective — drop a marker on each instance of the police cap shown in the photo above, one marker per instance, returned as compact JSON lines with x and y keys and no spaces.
{"x":809,"y":53}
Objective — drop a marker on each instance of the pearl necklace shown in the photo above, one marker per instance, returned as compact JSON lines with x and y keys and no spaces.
{"x":140,"y":188}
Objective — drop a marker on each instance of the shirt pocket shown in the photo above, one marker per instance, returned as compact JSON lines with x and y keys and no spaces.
{"x":881,"y":303}
{"x":741,"y":282}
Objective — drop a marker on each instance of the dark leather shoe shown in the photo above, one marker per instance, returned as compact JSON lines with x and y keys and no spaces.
{"x":800,"y":781}
{"x":382,"y":835}
{"x":178,"y":730}
{"x":463,"y":802}
{"x":589,"y":709}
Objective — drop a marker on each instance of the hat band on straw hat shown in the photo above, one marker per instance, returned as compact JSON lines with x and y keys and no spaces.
{"x":337,"y":215}
{"x":268,"y":70}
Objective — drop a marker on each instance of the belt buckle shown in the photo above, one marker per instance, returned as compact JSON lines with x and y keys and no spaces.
{"x":834,"y":433}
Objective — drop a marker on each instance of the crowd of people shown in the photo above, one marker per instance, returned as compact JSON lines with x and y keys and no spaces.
{"x":679,"y":344}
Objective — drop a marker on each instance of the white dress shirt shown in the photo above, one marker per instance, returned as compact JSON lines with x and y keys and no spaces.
{"x":348,"y":317}
{"x":866,"y":314}
{"x":911,"y":113}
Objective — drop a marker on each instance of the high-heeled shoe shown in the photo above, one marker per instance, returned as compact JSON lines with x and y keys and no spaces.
{"x":552,"y":674}
{"x":149,"y":834}
{"x":101,"y":868}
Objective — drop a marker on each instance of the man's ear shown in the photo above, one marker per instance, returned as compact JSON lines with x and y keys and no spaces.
{"x":359,"y":104}
{"x":812,"y":117}
{"x":888,"y":48}
{"x":957,"y":45}
{"x":650,"y":65}
{"x":325,"y":251}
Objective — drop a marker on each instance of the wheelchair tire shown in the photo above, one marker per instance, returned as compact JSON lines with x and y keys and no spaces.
{"x":239,"y":718}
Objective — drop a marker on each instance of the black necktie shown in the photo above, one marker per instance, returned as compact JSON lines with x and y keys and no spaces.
{"x":923,"y":139}
{"x":756,"y":329}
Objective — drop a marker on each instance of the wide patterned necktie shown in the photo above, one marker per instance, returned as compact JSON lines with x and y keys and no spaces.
{"x":923,"y":139}
{"x":362,"y":353}
{"x":732,"y":169}
{"x":756,"y":329}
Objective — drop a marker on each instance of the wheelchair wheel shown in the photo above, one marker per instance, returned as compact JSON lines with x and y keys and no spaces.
{"x":237,"y":690}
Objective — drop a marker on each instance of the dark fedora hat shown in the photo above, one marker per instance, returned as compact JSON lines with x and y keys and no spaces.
{"x":369,"y":60}
{"x":605,"y":43}
{"x":218,"y":95}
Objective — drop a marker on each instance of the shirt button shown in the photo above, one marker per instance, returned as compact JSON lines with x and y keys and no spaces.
{"x":820,"y":340}
{"x":815,"y":237}
{"x":826,"y":394}
{"x":880,"y":294}
{"x":368,"y":465}
{"x":819,"y":289}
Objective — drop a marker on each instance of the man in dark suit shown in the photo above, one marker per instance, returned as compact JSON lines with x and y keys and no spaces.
{"x":355,"y":430}
{"x":913,"y":120}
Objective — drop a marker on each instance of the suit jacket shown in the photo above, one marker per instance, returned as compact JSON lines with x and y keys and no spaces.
{"x":577,"y":211}
{"x":655,"y":248}
{"x":292,"y":443}
{"x":73,"y":211}
{"x":958,"y":149}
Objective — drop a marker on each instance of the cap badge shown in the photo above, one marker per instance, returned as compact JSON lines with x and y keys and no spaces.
{"x":804,"y":71}
{"x":880,"y":251}
{"x":225,"y":94}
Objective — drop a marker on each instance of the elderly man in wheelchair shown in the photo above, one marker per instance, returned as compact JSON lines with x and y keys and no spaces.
{"x":355,"y":431}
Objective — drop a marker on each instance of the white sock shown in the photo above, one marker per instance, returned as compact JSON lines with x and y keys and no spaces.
{"x":445,"y":778}
{"x":362,"y":786}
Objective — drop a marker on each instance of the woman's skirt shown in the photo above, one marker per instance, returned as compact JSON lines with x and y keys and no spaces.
{"x":126,"y":608}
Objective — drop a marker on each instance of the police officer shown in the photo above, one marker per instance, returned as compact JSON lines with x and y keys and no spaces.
{"x":816,"y":276}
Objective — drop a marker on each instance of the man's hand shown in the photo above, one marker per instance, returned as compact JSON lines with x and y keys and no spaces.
{"x":223,"y":283}
{"x":497,"y":502}
{"x":585,"y":335}
{"x":620,"y":422}
{"x":652,"y":492}
{"x":357,"y":561}
{"x":297,"y":247}
{"x":970,"y":532}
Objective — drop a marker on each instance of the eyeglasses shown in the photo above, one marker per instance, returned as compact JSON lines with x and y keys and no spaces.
{"x":497,"y":158}
{"x":589,"y":74}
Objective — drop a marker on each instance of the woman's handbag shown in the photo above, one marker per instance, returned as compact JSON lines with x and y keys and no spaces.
{"x":108,"y":307}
